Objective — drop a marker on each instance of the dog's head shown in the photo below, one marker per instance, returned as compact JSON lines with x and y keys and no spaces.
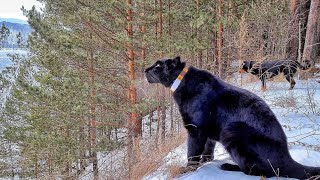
{"x":246,"y":66}
{"x":165,"y":71}
{"x":307,"y":64}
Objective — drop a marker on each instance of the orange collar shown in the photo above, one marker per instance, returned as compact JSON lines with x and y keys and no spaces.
{"x":177,"y":82}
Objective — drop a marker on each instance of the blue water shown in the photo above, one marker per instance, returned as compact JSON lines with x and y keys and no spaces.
{"x":5,"y":60}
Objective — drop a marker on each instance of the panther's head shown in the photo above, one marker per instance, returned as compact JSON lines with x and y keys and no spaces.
{"x":246,"y":66}
{"x":165,"y":71}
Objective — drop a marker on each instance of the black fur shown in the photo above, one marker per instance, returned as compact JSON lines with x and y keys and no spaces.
{"x":269,"y":69}
{"x":213,"y":110}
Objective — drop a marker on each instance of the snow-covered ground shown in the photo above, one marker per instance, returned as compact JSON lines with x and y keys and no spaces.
{"x":297,"y":110}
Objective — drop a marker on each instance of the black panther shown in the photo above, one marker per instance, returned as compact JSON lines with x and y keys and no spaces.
{"x":268,"y":69}
{"x":213,"y":110}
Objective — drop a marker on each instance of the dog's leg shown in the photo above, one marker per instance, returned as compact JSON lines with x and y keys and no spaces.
{"x":264,"y":84}
{"x":208,"y":152}
{"x":290,"y":79}
{"x":292,"y":83}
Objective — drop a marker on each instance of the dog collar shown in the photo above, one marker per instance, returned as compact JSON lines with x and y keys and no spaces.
{"x":177,"y":82}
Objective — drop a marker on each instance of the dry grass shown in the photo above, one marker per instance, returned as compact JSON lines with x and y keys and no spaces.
{"x":151,"y":157}
{"x":286,"y":102}
{"x":174,"y":171}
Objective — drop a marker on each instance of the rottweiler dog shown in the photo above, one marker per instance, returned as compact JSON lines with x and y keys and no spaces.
{"x":213,"y":110}
{"x":268,"y":69}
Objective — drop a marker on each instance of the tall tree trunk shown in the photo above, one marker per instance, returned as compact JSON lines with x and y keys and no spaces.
{"x":169,"y":19}
{"x":303,"y":13}
{"x":83,"y":145}
{"x":214,"y":44}
{"x":160,"y":23}
{"x":171,"y":117}
{"x":93,"y":132}
{"x":143,"y":32}
{"x":163,"y":90}
{"x":309,"y":45}
{"x":156,"y":13}
{"x":135,"y":124}
{"x":242,"y":38}
{"x":171,"y":97}
{"x":293,"y":44}
{"x":83,"y":139}
{"x":143,"y":46}
{"x":207,"y":57}
{"x":220,"y":67}
{"x":67,"y":161}
{"x":214,"y":53}
{"x":158,"y":122}
{"x":199,"y":61}
{"x":156,"y":24}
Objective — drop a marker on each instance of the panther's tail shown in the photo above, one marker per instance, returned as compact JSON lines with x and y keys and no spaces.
{"x":306,"y":65}
{"x":304,"y":172}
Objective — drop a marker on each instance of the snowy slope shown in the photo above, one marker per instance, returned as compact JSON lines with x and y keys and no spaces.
{"x":297,"y":110}
{"x":211,"y":171}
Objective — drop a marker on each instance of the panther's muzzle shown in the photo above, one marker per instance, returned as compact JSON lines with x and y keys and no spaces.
{"x":151,"y":78}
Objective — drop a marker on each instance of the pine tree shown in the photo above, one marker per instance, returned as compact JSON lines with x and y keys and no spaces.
{"x":19,"y":40}
{"x":220,"y":39}
{"x":4,"y":34}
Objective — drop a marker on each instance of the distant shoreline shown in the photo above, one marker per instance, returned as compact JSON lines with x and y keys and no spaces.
{"x":14,"y":20}
{"x":12,"y":49}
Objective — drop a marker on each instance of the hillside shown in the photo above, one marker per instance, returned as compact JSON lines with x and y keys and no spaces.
{"x":15,"y":26}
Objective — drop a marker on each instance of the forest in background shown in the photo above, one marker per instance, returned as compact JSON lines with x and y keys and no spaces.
{"x":82,"y":92}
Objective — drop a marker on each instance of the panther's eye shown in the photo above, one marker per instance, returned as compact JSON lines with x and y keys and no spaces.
{"x":158,"y":66}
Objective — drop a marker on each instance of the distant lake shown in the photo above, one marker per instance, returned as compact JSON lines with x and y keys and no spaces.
{"x":5,"y":60}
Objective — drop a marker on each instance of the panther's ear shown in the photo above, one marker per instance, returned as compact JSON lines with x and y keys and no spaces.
{"x":176,"y":61}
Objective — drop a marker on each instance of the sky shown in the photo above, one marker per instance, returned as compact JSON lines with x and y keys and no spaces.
{"x":11,"y":8}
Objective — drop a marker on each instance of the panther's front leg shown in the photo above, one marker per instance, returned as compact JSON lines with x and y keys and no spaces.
{"x":208,"y":153}
{"x":196,"y":145}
